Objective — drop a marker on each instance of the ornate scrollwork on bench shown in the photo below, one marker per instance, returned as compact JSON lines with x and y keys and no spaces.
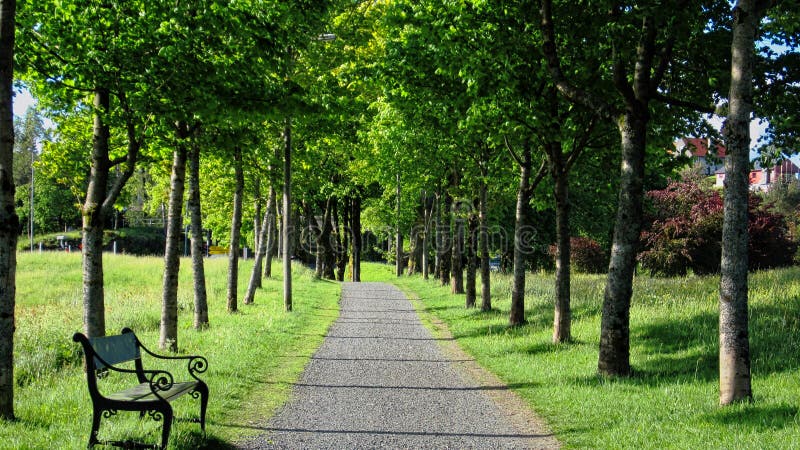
{"x":153,"y":391}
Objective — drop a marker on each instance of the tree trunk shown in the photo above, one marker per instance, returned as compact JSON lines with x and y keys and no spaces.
{"x":198,"y":255}
{"x":734,"y":340}
{"x":563,"y":316}
{"x":614,"y":358}
{"x":486,"y":287}
{"x":355,"y":217}
{"x":168,"y":339}
{"x":344,"y":229}
{"x":415,"y":255}
{"x":426,"y":233}
{"x":470,"y":255}
{"x":324,"y":247}
{"x":260,"y":253}
{"x":236,"y":230}
{"x":447,"y":245}
{"x":437,"y":237}
{"x":398,"y":234}
{"x":521,"y":243}
{"x":272,"y":232}
{"x":9,"y":222}
{"x":456,"y":257}
{"x":258,"y":223}
{"x":93,"y":213}
{"x":286,"y":226}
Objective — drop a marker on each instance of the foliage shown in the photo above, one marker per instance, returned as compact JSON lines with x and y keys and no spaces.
{"x":586,"y":256}
{"x":685,"y":231}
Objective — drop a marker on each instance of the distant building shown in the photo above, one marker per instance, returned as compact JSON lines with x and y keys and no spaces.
{"x":707,"y":162}
{"x":709,"y":159}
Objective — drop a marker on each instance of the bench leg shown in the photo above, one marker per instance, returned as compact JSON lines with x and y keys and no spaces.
{"x":96,"y":414}
{"x":202,"y":389}
{"x":167,"y":413}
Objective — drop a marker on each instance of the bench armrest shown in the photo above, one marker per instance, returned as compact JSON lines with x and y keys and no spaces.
{"x":196,"y":364}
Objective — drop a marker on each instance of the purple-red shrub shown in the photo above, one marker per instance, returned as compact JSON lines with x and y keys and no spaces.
{"x":683,"y":231}
{"x":586,"y":255}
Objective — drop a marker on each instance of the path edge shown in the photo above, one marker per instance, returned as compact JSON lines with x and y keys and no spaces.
{"x":511,"y":405}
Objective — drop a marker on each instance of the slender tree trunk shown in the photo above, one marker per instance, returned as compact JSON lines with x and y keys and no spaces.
{"x":437,"y":224}
{"x":355,"y":217}
{"x":168,"y":339}
{"x":324,"y":247}
{"x":415,"y":255}
{"x":9,"y":222}
{"x":426,"y":233}
{"x":398,"y":233}
{"x":260,"y":253}
{"x":258,"y":223}
{"x":343,"y":253}
{"x":236,"y":230}
{"x":470,"y":254}
{"x":563,"y":316}
{"x":198,"y":255}
{"x":734,"y":337}
{"x":447,"y":241}
{"x":614,"y":359}
{"x":456,"y":257}
{"x":521,"y":243}
{"x":272,"y":232}
{"x":286,"y":226}
{"x":483,"y":240}
{"x":93,"y":213}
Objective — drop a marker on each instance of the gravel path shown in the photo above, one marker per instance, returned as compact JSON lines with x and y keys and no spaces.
{"x":381,"y":380}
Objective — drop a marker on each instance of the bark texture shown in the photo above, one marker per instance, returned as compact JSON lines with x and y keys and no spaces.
{"x":198,"y":255}
{"x":563,"y":316}
{"x":272,"y":231}
{"x":355,"y":218}
{"x":9,"y":222}
{"x":258,"y":222}
{"x":521,"y":242}
{"x":261,"y":252}
{"x":236,"y":232}
{"x":93,"y":217}
{"x":286,"y":226}
{"x":168,"y":339}
{"x":614,"y":359}
{"x":734,"y":340}
{"x":471,"y":257}
{"x":483,"y":241}
{"x":398,"y":234}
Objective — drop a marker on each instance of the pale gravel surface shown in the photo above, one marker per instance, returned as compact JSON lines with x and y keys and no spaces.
{"x":381,"y":380}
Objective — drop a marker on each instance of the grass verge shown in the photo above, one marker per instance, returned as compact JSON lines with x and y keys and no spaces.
{"x":254,"y":355}
{"x":672,"y":399}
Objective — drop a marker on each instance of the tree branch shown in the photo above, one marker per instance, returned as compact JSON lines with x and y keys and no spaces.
{"x":549,"y":48}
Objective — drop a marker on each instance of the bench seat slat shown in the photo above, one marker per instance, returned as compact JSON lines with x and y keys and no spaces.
{"x":142,"y":392}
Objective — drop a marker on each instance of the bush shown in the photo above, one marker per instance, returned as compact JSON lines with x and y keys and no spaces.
{"x":586,"y":255}
{"x":684,"y":232}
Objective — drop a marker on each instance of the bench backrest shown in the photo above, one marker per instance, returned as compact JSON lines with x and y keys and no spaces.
{"x":115,"y":349}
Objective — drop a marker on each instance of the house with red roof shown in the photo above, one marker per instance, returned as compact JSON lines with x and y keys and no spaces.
{"x":709,"y":158}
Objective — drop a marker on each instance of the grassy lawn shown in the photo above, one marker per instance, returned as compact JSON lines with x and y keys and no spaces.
{"x":254,"y":356}
{"x":672,"y":400}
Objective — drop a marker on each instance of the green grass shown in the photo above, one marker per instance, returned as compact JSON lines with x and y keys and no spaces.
{"x":672,"y":399}
{"x":254,"y":356}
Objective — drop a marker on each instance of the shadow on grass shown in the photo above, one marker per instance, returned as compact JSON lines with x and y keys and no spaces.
{"x":755,"y":417}
{"x":198,"y":441}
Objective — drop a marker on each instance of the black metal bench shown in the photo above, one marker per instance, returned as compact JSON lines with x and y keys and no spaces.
{"x":154,"y":391}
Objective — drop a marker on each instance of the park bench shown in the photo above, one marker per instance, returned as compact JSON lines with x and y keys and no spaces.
{"x":152,"y":391}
